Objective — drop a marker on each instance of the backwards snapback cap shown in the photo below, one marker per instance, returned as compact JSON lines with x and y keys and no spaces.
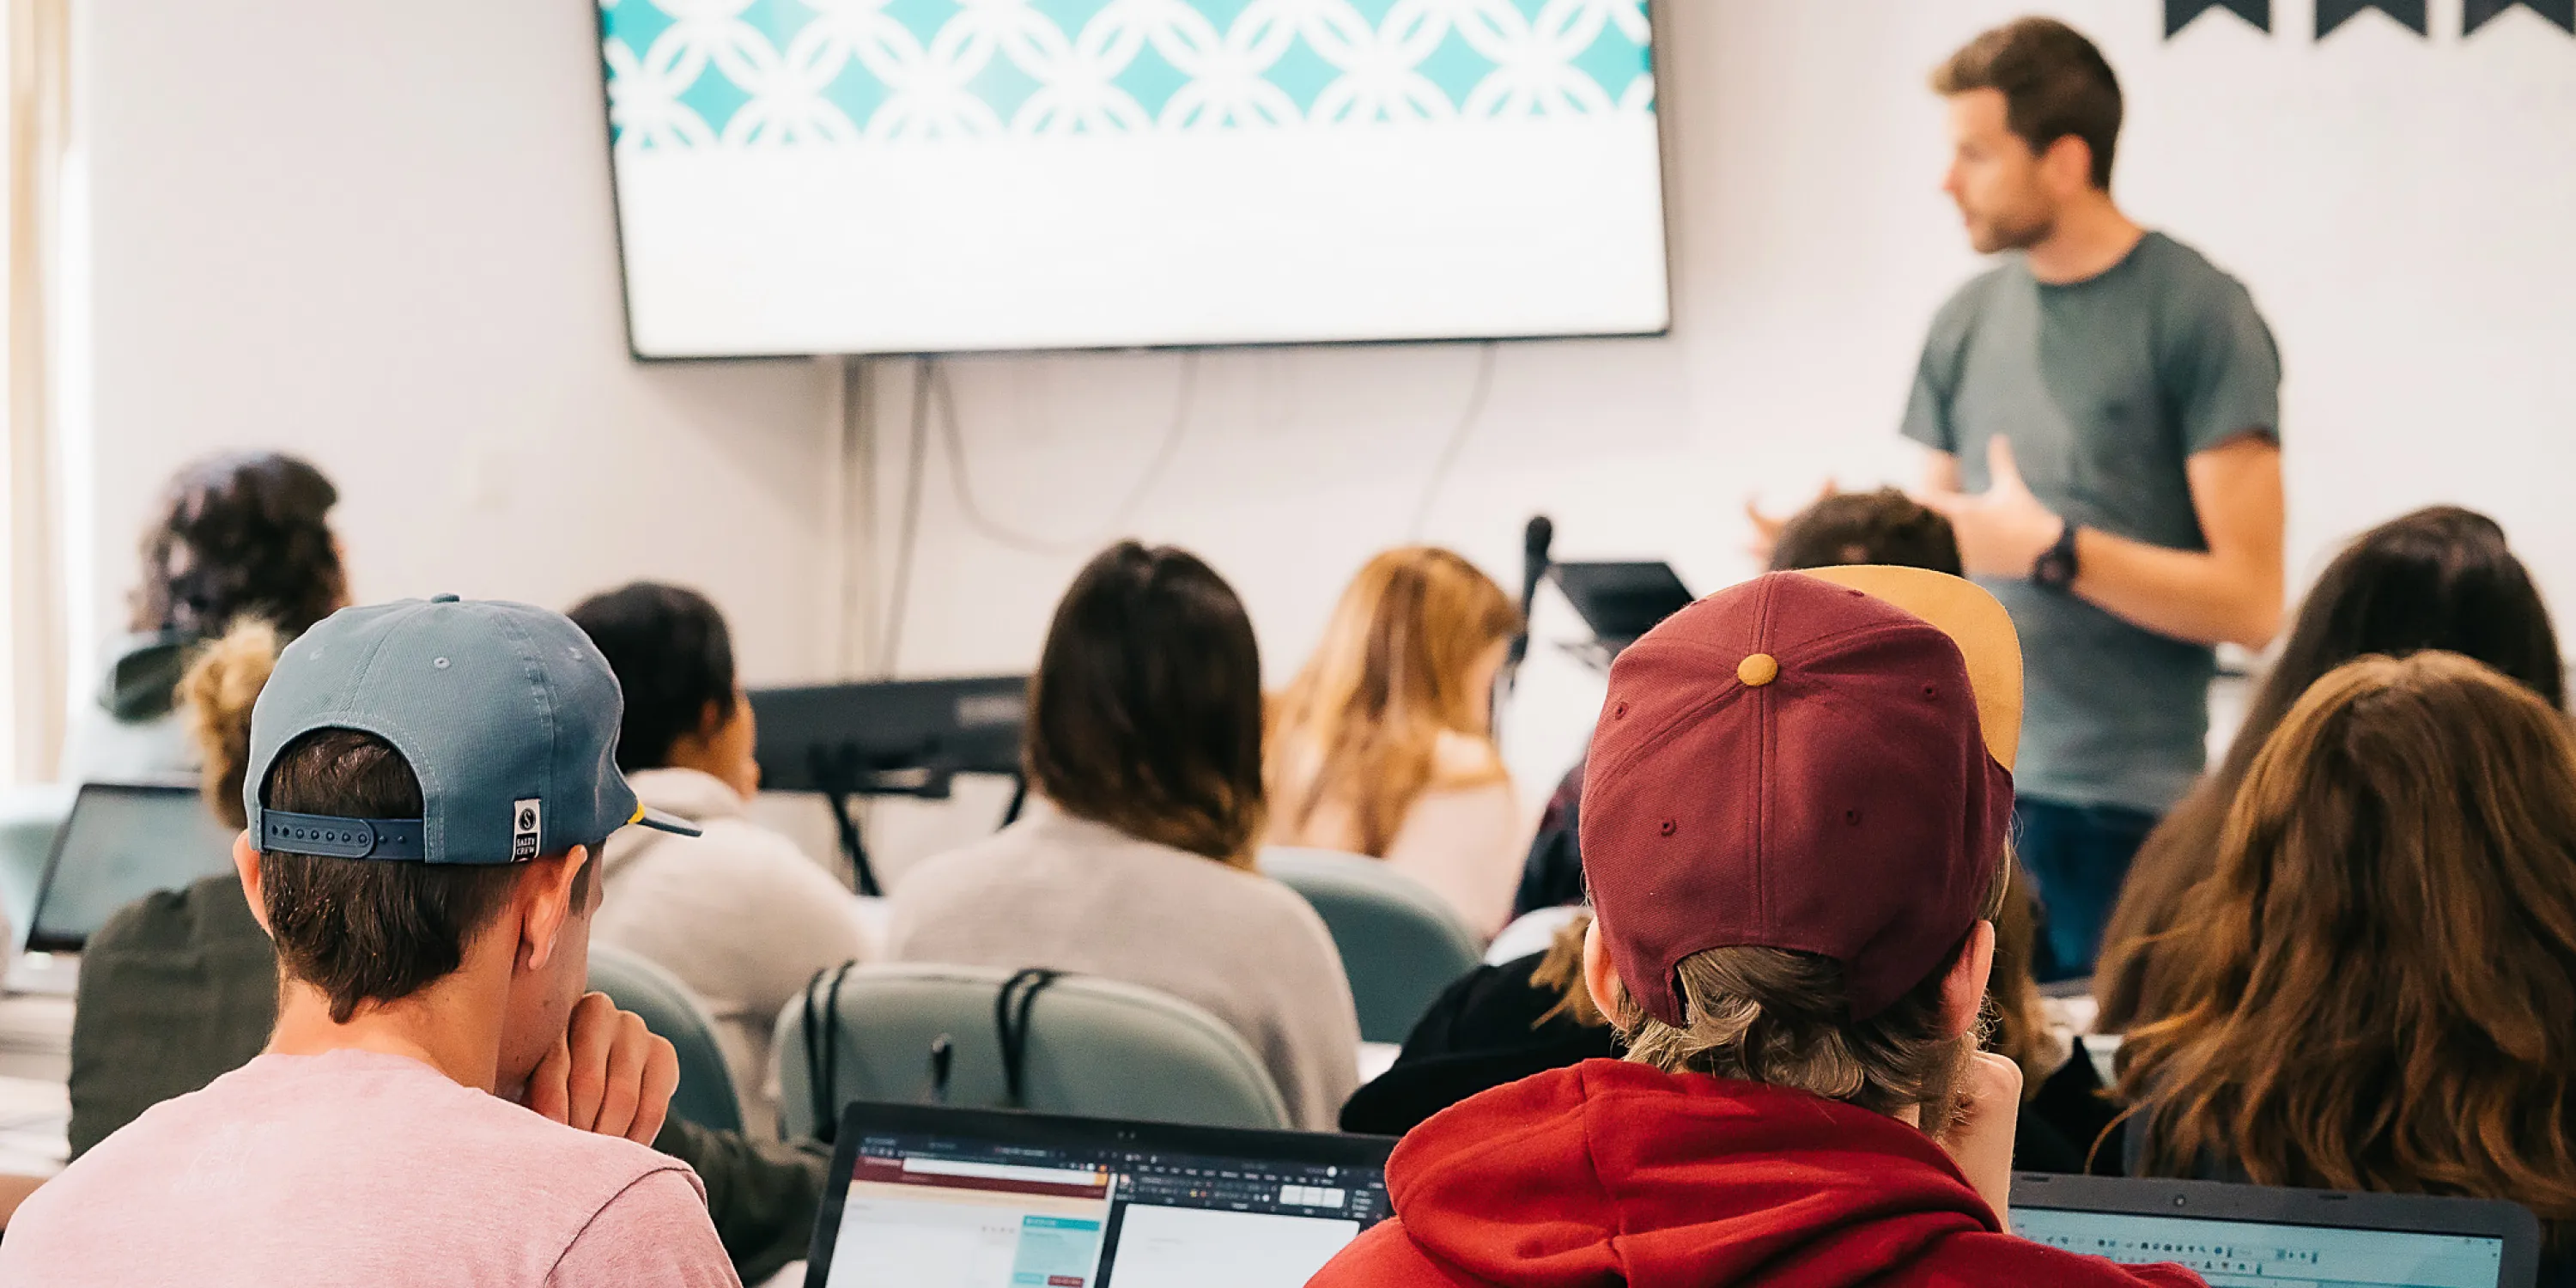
{"x":1818,"y":762}
{"x":506,"y":713}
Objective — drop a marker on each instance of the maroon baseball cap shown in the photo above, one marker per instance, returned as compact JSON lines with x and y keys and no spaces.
{"x":1818,"y":762}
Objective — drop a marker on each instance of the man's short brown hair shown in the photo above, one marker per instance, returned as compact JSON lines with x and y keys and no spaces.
{"x":2054,"y":83}
{"x":369,"y":930}
{"x":1881,"y":527}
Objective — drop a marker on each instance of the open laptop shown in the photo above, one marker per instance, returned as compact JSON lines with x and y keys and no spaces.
{"x":1620,"y":601}
{"x":2252,"y":1235}
{"x":121,"y":842}
{"x":925,"y":1197}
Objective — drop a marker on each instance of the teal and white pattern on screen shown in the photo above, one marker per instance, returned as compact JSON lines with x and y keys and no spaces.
{"x":755,"y":73}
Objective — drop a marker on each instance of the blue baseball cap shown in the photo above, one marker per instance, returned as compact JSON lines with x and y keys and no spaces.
{"x":506,"y":713}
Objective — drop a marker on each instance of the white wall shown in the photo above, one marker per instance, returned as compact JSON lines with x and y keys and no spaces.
{"x":2404,"y":212}
{"x":379,"y":235}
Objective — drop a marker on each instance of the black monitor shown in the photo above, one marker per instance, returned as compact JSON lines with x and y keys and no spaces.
{"x":122,"y":842}
{"x":887,"y":738}
{"x":1621,"y":601}
{"x":2252,"y":1234}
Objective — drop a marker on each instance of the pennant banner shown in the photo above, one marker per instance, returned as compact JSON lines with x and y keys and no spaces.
{"x":2482,"y":12}
{"x":2335,"y":13}
{"x":2179,"y":13}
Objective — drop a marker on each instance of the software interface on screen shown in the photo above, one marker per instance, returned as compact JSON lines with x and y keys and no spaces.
{"x":2248,"y":1254}
{"x":120,"y":845}
{"x":937,"y":176}
{"x":927,"y":1212}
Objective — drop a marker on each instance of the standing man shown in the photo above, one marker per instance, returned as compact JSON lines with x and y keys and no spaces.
{"x":2103,"y":409}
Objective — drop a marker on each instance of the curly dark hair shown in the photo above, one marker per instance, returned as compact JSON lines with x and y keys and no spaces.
{"x":241,"y":535}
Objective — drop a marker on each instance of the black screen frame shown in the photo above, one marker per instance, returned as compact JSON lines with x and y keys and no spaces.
{"x":1016,"y":1127}
{"x":2510,"y":1223}
{"x":1593,"y":587}
{"x":1658,"y":23}
{"x":38,"y":940}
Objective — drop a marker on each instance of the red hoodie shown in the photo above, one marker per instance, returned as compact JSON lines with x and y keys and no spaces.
{"x":1611,"y":1173}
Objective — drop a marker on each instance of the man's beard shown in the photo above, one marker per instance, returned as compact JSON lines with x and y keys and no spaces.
{"x":2005,"y":233}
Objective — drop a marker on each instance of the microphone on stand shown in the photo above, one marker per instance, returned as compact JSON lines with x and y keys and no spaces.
{"x":1535,"y":540}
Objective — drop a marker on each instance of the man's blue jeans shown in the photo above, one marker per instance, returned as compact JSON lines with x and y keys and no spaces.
{"x":2077,"y":855}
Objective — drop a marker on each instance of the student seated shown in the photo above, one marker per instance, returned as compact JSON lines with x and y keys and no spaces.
{"x":236,"y":537}
{"x":1384,"y":745}
{"x":428,"y":784}
{"x":2439,"y":578}
{"x":180,"y":988}
{"x":1134,"y":860}
{"x":1505,"y":1022}
{"x":739,"y":914}
{"x":1881,"y":527}
{"x":1795,"y":958}
{"x":2374,"y":985}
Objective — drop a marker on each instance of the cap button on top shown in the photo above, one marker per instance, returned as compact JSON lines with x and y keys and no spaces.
{"x":1758,"y":670}
{"x":444,"y":599}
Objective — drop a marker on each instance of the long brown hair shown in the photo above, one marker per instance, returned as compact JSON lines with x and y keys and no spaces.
{"x":1145,"y":712}
{"x":2381,"y":970}
{"x":2439,"y":578}
{"x":1360,"y":726}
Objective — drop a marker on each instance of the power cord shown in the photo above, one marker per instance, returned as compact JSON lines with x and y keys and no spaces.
{"x":908,"y":531}
{"x":953,"y":445}
{"x":1477,"y":396}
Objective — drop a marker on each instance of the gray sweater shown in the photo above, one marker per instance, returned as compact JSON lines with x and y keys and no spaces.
{"x":1067,"y":894}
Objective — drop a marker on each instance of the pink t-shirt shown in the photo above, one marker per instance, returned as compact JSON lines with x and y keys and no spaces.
{"x":362,"y":1169}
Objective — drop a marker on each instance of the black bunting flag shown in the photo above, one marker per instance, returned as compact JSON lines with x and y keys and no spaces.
{"x":2179,"y":13}
{"x":2335,"y":13}
{"x":2482,"y":12}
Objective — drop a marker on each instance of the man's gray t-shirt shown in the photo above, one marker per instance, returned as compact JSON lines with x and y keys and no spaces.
{"x":2104,"y":388}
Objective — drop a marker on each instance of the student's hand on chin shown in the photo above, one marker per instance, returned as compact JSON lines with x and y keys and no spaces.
{"x":1980,"y":1135}
{"x":609,"y":1074}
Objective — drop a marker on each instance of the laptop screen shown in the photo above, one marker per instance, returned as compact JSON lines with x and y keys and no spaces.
{"x":1011,"y":1201}
{"x":122,"y":842}
{"x":2253,"y":1253}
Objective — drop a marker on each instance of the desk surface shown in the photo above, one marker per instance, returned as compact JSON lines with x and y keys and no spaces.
{"x":35,"y":1061}
{"x":35,"y":1037}
{"x":35,"y":1117}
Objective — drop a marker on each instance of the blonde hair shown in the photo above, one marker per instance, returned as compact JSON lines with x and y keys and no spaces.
{"x":1783,"y":1018}
{"x":2016,"y":1028}
{"x":1360,"y":726}
{"x":217,"y":693}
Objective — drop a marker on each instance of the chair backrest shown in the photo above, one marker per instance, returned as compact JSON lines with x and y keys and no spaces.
{"x":1096,"y":1048}
{"x":1400,"y":943}
{"x":706,"y":1095}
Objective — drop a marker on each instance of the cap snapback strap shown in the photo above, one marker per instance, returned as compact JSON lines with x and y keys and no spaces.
{"x":342,"y":838}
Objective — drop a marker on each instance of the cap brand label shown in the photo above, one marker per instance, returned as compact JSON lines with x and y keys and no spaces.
{"x":527,"y":823}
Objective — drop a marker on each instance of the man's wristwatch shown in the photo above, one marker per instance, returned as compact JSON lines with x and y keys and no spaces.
{"x":2056,"y":566}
